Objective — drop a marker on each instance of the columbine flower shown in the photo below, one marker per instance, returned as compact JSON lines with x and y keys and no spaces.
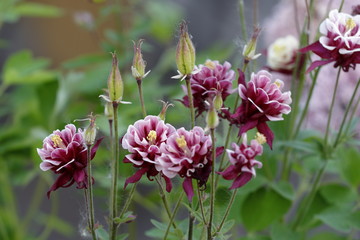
{"x":187,"y":153}
{"x":143,"y":140}
{"x":262,"y":101}
{"x":281,"y":54}
{"x":243,"y":163}
{"x":340,"y":42}
{"x":64,"y":153}
{"x":212,"y":79}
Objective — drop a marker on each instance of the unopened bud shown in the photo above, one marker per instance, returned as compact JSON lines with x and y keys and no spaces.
{"x":166,"y":105}
{"x":250,"y":47}
{"x":185,"y":51}
{"x":90,"y":131}
{"x":115,"y":83}
{"x":109,"y":111}
{"x":218,"y":101}
{"x":212,"y":118}
{"x":138,"y":67}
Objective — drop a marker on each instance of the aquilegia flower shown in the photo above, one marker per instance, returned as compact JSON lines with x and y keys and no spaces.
{"x":64,"y":152}
{"x":339,"y":43}
{"x":281,"y":54}
{"x":143,"y":140}
{"x":242,"y":160}
{"x":187,"y":153}
{"x":213,"y":78}
{"x":262,"y":101}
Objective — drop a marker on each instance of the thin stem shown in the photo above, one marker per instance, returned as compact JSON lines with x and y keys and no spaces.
{"x":86,"y":194}
{"x":201,"y":204}
{"x":242,"y":19}
{"x":90,"y":194}
{"x":345,"y":115}
{"x":143,"y":109}
{"x":212,"y":190}
{"x":191,"y":223}
{"x":341,"y":5}
{"x":164,"y":200}
{"x":352,"y":115}
{"x":326,"y":139}
{"x":114,"y":176}
{"x":227,"y":211}
{"x":128,"y":200}
{"x":191,"y":101}
{"x":173,"y":215}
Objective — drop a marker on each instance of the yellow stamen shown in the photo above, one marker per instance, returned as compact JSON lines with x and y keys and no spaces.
{"x":151,"y":137}
{"x":350,"y":24}
{"x":181,"y":142}
{"x":260,"y":138}
{"x":210,"y":64}
{"x":57,"y":141}
{"x":277,"y":83}
{"x":278,"y":48}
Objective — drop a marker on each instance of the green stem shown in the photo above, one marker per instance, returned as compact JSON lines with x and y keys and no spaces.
{"x":90,"y":195}
{"x":191,"y":101}
{"x":128,"y":200}
{"x":114,"y":176}
{"x":201,"y":204}
{"x":242,"y":20}
{"x":191,"y":223}
{"x":212,"y":190}
{"x":173,"y":215}
{"x":326,"y":139}
{"x":227,"y":211}
{"x":164,"y":200}
{"x":345,"y":115}
{"x":352,"y":115}
{"x":143,"y":109}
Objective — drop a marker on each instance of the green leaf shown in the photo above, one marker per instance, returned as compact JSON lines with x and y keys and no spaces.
{"x":31,"y":9}
{"x":327,"y":236}
{"x":22,"y":68}
{"x":338,"y":218}
{"x":128,"y":216}
{"x":85,"y":60}
{"x":285,"y":189}
{"x":223,"y":195}
{"x":335,"y":193}
{"x":282,"y":232}
{"x":350,"y":163}
{"x":263,"y":207}
{"x":102,"y":234}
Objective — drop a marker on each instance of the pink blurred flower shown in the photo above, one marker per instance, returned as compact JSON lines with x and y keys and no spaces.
{"x":213,"y":78}
{"x":143,"y":140}
{"x":262,"y":101}
{"x":243,"y":163}
{"x":187,"y":153}
{"x":64,"y":152}
{"x":339,"y":43}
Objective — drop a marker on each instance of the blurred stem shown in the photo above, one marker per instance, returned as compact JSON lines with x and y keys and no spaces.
{"x":114,"y":175}
{"x":34,"y":204}
{"x":143,"y":109}
{"x":338,"y":137}
{"x":201,"y":204}
{"x":49,"y":224}
{"x":128,"y":200}
{"x":255,"y":12}
{"x":212,"y":190}
{"x":191,"y":101}
{"x":164,"y":200}
{"x":242,"y":20}
{"x":90,"y":194}
{"x":352,"y":115}
{"x":341,"y":5}
{"x":173,"y":215}
{"x":3,"y":88}
{"x":191,"y":223}
{"x":326,"y":139}
{"x":227,"y":211}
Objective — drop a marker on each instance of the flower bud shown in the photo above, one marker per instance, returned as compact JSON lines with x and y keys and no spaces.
{"x":164,"y":109}
{"x":250,"y":47}
{"x":138,"y":67}
{"x":218,"y":101}
{"x":212,"y":118}
{"x":109,"y":111}
{"x":115,"y":83}
{"x":185,"y":51}
{"x":90,"y":131}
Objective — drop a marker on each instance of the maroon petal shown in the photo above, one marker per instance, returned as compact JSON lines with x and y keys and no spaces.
{"x":80,"y":176}
{"x":95,"y":147}
{"x":318,"y":63}
{"x":168,"y":184}
{"x":64,"y":180}
{"x":230,"y":173}
{"x":241,"y":79}
{"x":241,"y":180}
{"x":136,"y":177}
{"x":247,"y":126}
{"x":188,"y":188}
{"x":219,"y":151}
{"x":264,"y":129}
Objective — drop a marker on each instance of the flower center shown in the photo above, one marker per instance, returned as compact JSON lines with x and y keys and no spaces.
{"x":260,"y":138}
{"x":181,"y":142}
{"x":277,"y":83}
{"x":57,"y":141}
{"x":350,"y":24}
{"x":151,"y":137}
{"x":279,"y":48}
{"x":210,"y":64}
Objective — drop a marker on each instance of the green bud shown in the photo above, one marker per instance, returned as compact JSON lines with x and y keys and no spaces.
{"x":218,"y":101}
{"x":109,"y":111}
{"x":185,"y":51}
{"x":212,"y":118}
{"x":166,"y":105}
{"x":250,"y":47}
{"x":115,"y":83}
{"x":90,"y":131}
{"x":138,"y":67}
